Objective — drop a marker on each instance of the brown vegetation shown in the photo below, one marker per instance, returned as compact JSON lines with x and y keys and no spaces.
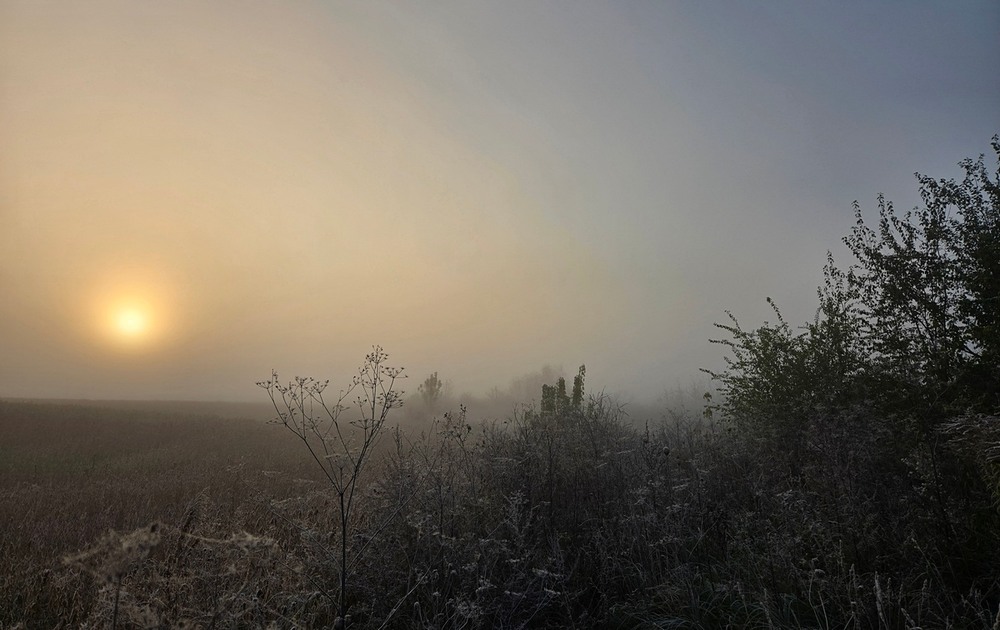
{"x":545,"y":520}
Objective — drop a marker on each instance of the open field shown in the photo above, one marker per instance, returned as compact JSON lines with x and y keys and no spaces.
{"x":69,"y":473}
{"x":159,"y":519}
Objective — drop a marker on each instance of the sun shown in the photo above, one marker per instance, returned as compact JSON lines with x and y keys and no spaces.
{"x":131,"y":323}
{"x":132,"y":311}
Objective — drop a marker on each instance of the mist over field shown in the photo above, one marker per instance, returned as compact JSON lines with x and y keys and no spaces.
{"x":195,"y":193}
{"x":634,"y":315}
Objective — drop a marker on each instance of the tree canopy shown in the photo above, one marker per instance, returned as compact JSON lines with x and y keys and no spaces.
{"x":912,"y":326}
{"x":886,"y":408}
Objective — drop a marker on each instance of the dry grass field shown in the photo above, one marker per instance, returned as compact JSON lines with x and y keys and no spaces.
{"x":70,"y":473}
{"x":117,"y":517}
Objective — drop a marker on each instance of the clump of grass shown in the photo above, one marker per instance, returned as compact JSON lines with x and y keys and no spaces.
{"x":113,"y":556}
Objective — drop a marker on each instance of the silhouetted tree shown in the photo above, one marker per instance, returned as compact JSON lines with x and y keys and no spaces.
{"x":431,"y":390}
{"x":914,"y":323}
{"x":928,"y":291}
{"x":875,"y":408}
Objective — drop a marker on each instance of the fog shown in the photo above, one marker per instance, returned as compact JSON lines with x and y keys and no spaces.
{"x":193,"y":194}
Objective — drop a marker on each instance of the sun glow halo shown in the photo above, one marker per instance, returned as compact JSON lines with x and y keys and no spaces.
{"x":134,"y":311}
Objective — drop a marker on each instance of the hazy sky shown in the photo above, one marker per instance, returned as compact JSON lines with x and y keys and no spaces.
{"x":194,"y":193}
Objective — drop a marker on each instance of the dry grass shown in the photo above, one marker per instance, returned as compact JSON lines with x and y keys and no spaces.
{"x":69,"y":474}
{"x":576,"y":521}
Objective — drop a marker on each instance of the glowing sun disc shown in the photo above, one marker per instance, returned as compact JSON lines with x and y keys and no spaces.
{"x":131,"y":311}
{"x":131,"y":323}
